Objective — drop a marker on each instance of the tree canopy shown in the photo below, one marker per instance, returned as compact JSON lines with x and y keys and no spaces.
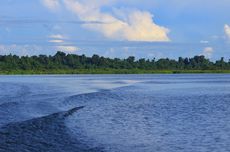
{"x":65,"y":61}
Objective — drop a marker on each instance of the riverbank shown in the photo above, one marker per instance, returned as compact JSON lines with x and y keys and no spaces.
{"x":109,"y":71}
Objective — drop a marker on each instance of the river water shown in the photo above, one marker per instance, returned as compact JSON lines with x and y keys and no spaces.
{"x":115,"y":113}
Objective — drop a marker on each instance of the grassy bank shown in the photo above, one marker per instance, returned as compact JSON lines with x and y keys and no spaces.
{"x":108,"y":71}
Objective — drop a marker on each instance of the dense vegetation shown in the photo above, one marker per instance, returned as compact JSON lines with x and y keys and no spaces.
{"x":62,"y":63}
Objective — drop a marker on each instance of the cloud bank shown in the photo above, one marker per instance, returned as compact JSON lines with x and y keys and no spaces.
{"x":120,"y":24}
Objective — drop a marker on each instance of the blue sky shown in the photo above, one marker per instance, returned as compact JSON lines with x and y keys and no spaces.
{"x":116,"y":28}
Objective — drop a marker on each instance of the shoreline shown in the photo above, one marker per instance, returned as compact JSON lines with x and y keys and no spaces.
{"x":110,"y":71}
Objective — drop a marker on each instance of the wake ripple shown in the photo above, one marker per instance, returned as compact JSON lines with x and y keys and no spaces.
{"x":47,"y":133}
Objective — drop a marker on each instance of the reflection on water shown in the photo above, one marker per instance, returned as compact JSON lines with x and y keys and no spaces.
{"x":121,"y":113}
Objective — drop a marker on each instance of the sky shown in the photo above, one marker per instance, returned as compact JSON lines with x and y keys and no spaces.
{"x":116,"y":28}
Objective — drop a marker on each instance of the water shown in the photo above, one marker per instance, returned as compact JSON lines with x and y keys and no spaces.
{"x":115,"y":113}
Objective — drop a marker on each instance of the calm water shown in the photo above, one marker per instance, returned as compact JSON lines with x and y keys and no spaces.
{"x":115,"y":113}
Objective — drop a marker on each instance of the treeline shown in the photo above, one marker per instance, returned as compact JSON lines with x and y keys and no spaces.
{"x":62,"y":61}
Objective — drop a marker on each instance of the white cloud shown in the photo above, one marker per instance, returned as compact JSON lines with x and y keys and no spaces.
{"x":68,"y":49}
{"x":208,"y":52}
{"x":204,"y":42}
{"x":52,"y":4}
{"x":56,"y":36}
{"x":227,"y":30}
{"x":56,"y":41}
{"x":121,"y":24}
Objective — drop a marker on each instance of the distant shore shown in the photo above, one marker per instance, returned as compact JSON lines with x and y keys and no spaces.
{"x":62,"y":63}
{"x":110,"y":71}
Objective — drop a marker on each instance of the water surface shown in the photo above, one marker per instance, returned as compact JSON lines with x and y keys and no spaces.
{"x":117,"y":113}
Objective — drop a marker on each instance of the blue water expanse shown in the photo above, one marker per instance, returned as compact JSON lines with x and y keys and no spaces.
{"x":115,"y":113}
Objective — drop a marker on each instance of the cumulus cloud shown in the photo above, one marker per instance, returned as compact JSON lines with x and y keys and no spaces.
{"x":227,"y":31}
{"x":52,"y":4}
{"x":121,"y":24}
{"x":208,"y":52}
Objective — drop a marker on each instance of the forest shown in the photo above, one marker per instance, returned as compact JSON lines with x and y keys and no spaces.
{"x":62,"y":63}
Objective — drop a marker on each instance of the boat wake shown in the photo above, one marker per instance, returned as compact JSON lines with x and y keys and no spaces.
{"x":179,"y":113}
{"x":47,"y":133}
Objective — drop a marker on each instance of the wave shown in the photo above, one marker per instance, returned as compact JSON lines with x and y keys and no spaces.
{"x":47,"y":133}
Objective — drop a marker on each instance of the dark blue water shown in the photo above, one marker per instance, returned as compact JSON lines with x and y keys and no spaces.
{"x":117,"y":113}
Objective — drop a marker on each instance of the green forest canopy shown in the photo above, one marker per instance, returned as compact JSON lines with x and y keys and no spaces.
{"x":63,"y":61}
